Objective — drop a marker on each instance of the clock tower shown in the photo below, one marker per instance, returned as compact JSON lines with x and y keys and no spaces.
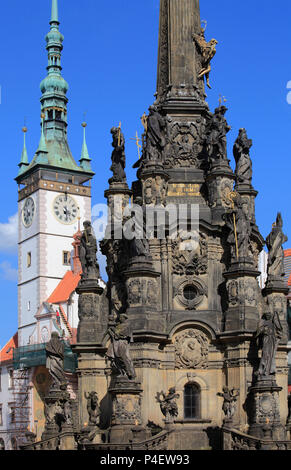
{"x":54,"y":194}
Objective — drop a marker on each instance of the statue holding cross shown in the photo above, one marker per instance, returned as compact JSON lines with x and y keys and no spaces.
{"x":118,"y":156}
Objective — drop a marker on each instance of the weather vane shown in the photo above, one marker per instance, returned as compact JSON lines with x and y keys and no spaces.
{"x":137,"y":141}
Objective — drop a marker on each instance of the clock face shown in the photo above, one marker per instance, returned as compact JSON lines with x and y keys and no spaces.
{"x":28,"y":212}
{"x":65,"y":209}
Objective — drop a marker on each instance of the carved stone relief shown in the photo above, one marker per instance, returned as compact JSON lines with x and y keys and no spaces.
{"x":183,"y":144}
{"x":192,"y":349}
{"x":190,"y":292}
{"x":190,"y":256}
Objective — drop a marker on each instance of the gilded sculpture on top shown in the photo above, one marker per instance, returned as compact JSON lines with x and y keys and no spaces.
{"x":207,"y":51}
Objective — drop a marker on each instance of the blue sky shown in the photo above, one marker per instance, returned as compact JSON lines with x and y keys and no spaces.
{"x":110,"y":62}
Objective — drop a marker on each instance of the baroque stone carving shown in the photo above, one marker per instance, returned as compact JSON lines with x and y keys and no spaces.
{"x":88,"y":306}
{"x":93,"y":408}
{"x":196,"y":289}
{"x":184,"y":144}
{"x":268,"y":335}
{"x":155,"y":137}
{"x":241,"y":152}
{"x":190,"y":259}
{"x":55,"y":361}
{"x":155,"y":191}
{"x":118,"y":157}
{"x":127,"y":409}
{"x":192,"y":348}
{"x":276,"y":253}
{"x":239,"y":232}
{"x":216,"y":130}
{"x":88,"y":253}
{"x":207,"y":50}
{"x":118,"y":352}
{"x":134,"y":292}
{"x":230,"y":397}
{"x":168,"y":404}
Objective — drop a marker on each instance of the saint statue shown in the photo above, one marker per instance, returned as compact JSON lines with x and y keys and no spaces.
{"x":118,"y":352}
{"x":268,"y":335}
{"x":88,"y":253}
{"x":239,"y":230}
{"x":55,"y":361}
{"x":276,"y":253}
{"x":118,"y":156}
{"x":217,"y":128}
{"x":139,"y":245}
{"x":155,"y":141}
{"x":168,"y":403}
{"x":230,"y":397}
{"x":241,"y":152}
{"x":207,"y":51}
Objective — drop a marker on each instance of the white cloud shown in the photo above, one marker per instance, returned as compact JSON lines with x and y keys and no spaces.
{"x":9,"y":235}
{"x":7,"y":272}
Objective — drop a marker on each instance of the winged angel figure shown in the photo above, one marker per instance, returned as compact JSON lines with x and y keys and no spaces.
{"x":207,"y":51}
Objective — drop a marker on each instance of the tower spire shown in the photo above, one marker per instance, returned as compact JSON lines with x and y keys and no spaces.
{"x":85,"y":158}
{"x":55,"y":12}
{"x":24,"y":157}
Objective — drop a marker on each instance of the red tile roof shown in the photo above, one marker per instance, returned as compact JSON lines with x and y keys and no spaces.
{"x":6,"y":354}
{"x":287,"y":253}
{"x":65,"y":288}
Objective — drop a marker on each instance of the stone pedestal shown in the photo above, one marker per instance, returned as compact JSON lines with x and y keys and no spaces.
{"x":126,"y":410}
{"x":220,"y":182}
{"x":248,"y":195}
{"x":93,"y":312}
{"x":275,"y":293}
{"x":243,"y":296}
{"x":143,"y":295}
{"x":118,"y":196}
{"x":58,"y":413}
{"x":265,"y":410}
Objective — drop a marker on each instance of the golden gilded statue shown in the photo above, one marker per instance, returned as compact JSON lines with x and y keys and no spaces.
{"x":207,"y":51}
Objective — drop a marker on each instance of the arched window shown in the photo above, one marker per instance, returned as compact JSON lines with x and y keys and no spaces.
{"x":2,"y":444}
{"x":192,"y":401}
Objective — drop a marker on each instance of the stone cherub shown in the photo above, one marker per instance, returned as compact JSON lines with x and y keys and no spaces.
{"x":118,"y":352}
{"x":216,"y":130}
{"x":207,"y":51}
{"x":241,"y":152}
{"x":230,"y":397}
{"x":55,"y":361}
{"x":268,"y":335}
{"x":118,"y":157}
{"x":88,"y":253}
{"x":168,"y":403}
{"x":93,"y":408}
{"x":276,"y":253}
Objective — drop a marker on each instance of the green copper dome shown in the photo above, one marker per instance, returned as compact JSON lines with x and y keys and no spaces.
{"x":54,"y":83}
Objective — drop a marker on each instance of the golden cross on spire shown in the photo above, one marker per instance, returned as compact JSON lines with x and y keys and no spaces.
{"x":137,"y":141}
{"x":222,"y":99}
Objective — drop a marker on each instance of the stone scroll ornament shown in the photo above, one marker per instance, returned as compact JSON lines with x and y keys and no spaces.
{"x":168,"y":404}
{"x":192,"y":348}
{"x":268,"y":335}
{"x":207,"y":51}
{"x":276,"y":253}
{"x":88,"y":253}
{"x":118,"y":156}
{"x":230,"y":397}
{"x":241,"y":153}
{"x":55,"y":361}
{"x":118,"y":352}
{"x":215,"y":140}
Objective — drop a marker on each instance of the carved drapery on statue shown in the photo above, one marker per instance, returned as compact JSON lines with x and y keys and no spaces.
{"x":207,"y":51}
{"x":276,"y":253}
{"x":118,"y":157}
{"x":139,"y":244}
{"x":118,"y":352}
{"x":55,"y":361}
{"x":268,"y":336}
{"x":241,"y":152}
{"x":88,"y":253}
{"x":155,"y":135}
{"x":168,"y":404}
{"x":216,"y":130}
{"x":240,"y":231}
